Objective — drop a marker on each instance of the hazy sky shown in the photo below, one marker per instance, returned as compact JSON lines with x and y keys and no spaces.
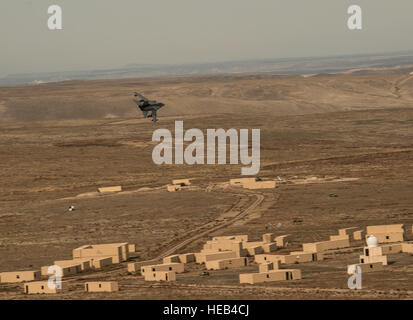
{"x":109,"y":33}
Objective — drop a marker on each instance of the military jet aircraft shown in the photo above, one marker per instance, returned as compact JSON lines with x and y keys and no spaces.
{"x":147,"y":105}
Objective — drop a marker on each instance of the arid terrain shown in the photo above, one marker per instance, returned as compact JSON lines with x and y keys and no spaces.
{"x":59,"y":142}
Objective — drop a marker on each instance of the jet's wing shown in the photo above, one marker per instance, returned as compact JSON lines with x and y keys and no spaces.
{"x":139,"y":103}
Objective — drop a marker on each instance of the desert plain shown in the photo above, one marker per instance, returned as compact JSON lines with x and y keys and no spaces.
{"x":350,"y":135}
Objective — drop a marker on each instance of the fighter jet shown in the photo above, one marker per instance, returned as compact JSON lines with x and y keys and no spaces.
{"x":147,"y":105}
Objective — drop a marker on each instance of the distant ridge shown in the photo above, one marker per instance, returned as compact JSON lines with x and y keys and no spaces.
{"x":304,"y":66}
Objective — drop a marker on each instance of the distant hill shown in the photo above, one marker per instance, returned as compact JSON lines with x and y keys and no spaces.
{"x":312,"y":65}
{"x":262,"y":94}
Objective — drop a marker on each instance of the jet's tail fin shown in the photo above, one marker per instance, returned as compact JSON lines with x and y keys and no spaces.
{"x":141,"y":97}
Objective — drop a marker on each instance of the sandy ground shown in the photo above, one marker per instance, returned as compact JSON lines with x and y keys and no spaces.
{"x":347,"y":135}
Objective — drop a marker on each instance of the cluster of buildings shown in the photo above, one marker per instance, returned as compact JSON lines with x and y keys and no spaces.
{"x":235,"y":252}
{"x":247,"y":183}
{"x":230,"y":252}
{"x":85,"y":258}
{"x":179,"y":184}
{"x":381,"y":242}
{"x":221,"y":253}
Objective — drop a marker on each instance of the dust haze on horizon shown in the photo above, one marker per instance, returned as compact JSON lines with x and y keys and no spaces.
{"x":107,"y":34}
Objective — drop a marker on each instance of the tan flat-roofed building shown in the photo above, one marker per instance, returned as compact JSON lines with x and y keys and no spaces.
{"x":95,"y":251}
{"x":131,"y":247}
{"x":240,"y":237}
{"x":110,"y":189}
{"x":263,"y":258}
{"x":172,"y":259}
{"x":326,"y":245}
{"x":173,"y":188}
{"x":301,"y":257}
{"x":365,"y":267}
{"x":205,"y":251}
{"x":134,"y":267}
{"x":315,"y":256}
{"x":373,"y":259}
{"x":204,"y":257}
{"x":160,"y":276}
{"x":19,"y":276}
{"x":181,"y":182}
{"x":200,"y":257}
{"x":281,"y":240}
{"x":386,"y":233}
{"x":41,"y":287}
{"x":392,"y":248}
{"x":347,"y":231}
{"x":389,"y":237}
{"x":85,"y":264}
{"x":226,"y":263}
{"x":389,"y":228}
{"x":67,"y":270}
{"x":99,"y":263}
{"x":267,"y":237}
{"x":118,"y":251}
{"x":241,"y":181}
{"x":101,"y":286}
{"x":269,"y":247}
{"x":77,"y":253}
{"x":383,"y":249}
{"x":219,"y":245}
{"x":407,"y":247}
{"x":276,"y":275}
{"x":269,"y":266}
{"x":238,"y":249}
{"x":252,"y":251}
{"x":222,"y":244}
{"x":187,"y":257}
{"x":45,"y":270}
{"x":358,"y":235}
{"x":339,"y":237}
{"x":251,"y":244}
{"x":292,"y":259}
{"x":259,"y":185}
{"x":176,"y":267}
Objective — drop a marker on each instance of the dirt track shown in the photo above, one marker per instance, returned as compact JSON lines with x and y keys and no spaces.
{"x":201,"y":232}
